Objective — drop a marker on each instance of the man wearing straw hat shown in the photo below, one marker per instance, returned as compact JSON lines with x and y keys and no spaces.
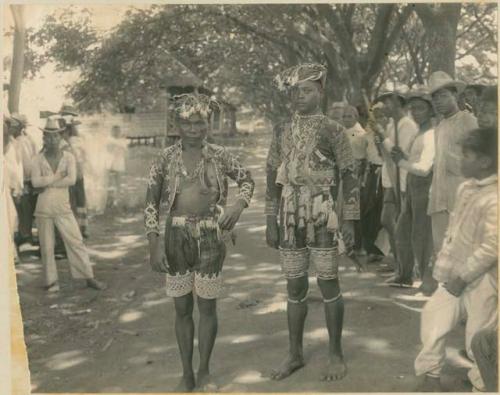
{"x":453,"y":127}
{"x":54,"y":170}
{"x":413,"y":229}
{"x":400,"y":131}
{"x":190,"y":178}
{"x":302,"y":164}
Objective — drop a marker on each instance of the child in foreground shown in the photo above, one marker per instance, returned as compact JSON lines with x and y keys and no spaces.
{"x":466,"y":267}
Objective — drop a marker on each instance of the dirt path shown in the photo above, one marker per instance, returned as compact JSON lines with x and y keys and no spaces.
{"x":122,"y":339}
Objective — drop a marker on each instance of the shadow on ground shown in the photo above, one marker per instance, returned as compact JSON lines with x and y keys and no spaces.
{"x":122,"y":339}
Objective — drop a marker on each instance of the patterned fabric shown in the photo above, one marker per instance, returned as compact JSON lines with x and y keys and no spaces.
{"x":208,"y":287}
{"x":311,"y":152}
{"x":195,"y":254}
{"x":325,"y":262}
{"x":179,"y":284}
{"x":470,"y":248}
{"x":294,"y":263}
{"x":188,"y":104}
{"x":301,"y":73}
{"x":166,"y":172}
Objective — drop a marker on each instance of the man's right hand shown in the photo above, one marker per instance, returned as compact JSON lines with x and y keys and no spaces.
{"x":157,"y":258}
{"x":272,"y":232}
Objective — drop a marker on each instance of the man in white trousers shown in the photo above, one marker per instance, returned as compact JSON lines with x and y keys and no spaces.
{"x":54,"y":170}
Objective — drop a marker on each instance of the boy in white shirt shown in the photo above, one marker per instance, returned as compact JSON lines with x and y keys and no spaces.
{"x":466,"y":266}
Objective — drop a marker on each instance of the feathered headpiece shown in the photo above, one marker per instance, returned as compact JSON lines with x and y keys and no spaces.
{"x":303,"y":72}
{"x":188,"y":104}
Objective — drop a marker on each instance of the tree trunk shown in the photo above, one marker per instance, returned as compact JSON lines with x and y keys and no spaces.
{"x":441,"y":27}
{"x":16,"y":74}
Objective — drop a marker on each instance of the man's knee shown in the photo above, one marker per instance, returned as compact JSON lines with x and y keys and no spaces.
{"x":330,"y":289}
{"x":207,"y":307}
{"x":297,"y":288}
{"x":184,"y":306}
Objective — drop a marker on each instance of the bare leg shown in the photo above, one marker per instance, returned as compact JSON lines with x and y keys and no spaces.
{"x":334,"y":314}
{"x":296,"y":314}
{"x":184,"y":332}
{"x":207,"y":332}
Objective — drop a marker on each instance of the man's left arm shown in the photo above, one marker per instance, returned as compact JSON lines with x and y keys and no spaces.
{"x":235,"y":170}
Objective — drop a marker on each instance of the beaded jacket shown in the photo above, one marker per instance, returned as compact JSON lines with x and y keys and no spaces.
{"x":166,"y":172}
{"x":312,"y":154}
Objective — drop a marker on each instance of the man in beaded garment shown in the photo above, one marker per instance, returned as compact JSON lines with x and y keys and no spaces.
{"x":190,"y":179}
{"x":303,"y":160}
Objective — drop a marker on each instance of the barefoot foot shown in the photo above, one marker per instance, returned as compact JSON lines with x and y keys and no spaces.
{"x":186,"y":384}
{"x":337,"y":369}
{"x":287,"y":367}
{"x":206,"y":383}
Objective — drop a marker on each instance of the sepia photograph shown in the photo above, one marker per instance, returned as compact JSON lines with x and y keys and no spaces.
{"x":250,"y":197}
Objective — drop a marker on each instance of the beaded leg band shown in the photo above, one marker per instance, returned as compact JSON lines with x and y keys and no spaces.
{"x":304,"y":299}
{"x":294,"y":263}
{"x":180,"y":284}
{"x":325,"y":262}
{"x":208,"y":286}
{"x":334,"y":299}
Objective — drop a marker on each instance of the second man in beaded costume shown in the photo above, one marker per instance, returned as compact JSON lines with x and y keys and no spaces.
{"x":190,"y":178}
{"x":305,"y":159}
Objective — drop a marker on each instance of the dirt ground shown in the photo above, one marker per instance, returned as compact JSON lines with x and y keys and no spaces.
{"x":122,"y":339}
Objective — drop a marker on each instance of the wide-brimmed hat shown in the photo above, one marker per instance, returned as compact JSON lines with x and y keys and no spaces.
{"x":68,"y":109}
{"x":301,"y":73}
{"x":19,"y":118}
{"x":419,"y":92}
{"x":388,"y":93}
{"x":52,"y":126}
{"x":439,"y":80}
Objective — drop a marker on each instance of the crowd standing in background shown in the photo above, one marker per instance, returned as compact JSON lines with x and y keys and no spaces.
{"x":442,"y":219}
{"x":22,"y":144}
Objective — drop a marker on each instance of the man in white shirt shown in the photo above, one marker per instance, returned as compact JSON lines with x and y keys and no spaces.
{"x":414,"y":230}
{"x":403,"y":135}
{"x":454,"y":126}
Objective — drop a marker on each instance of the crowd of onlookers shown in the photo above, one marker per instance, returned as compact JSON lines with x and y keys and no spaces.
{"x":427,"y":165}
{"x":23,"y":143}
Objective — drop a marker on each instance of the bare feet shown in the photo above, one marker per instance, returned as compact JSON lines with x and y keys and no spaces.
{"x":205,"y":382}
{"x":337,"y":369}
{"x":186,"y":384}
{"x":94,"y":284}
{"x":287,"y":367}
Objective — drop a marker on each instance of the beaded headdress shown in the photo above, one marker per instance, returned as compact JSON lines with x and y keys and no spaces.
{"x":297,"y":74}
{"x":188,"y":104}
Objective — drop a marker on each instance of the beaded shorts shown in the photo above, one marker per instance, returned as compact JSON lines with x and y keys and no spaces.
{"x":195,"y":254}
